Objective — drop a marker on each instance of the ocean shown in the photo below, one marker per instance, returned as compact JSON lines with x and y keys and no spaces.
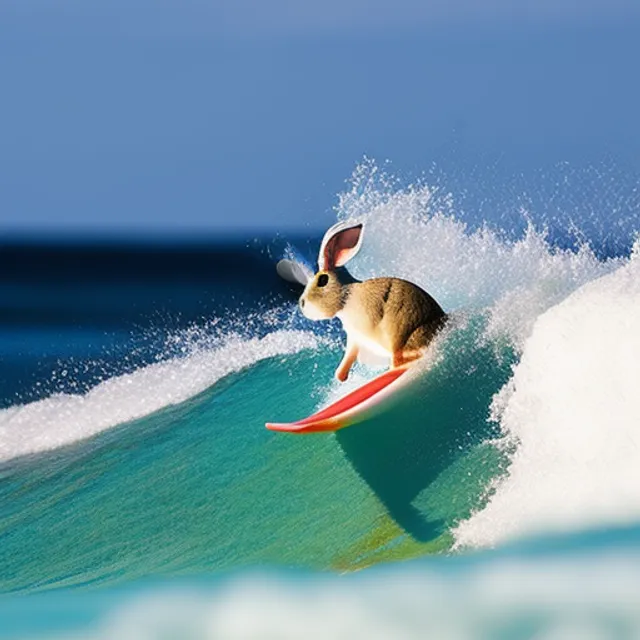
{"x":142,"y":497}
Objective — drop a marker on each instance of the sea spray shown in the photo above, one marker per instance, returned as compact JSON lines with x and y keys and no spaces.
{"x":414,"y":232}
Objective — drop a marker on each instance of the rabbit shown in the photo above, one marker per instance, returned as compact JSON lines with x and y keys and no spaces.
{"x":391,"y":317}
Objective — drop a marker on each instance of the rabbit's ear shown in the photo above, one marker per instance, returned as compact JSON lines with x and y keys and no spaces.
{"x":292,"y":271}
{"x":339,"y":245}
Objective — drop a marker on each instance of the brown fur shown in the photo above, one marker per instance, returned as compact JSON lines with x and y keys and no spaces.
{"x":331,"y":297}
{"x":398,"y":314}
{"x":391,"y":315}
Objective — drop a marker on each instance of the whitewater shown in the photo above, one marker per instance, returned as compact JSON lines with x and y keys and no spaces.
{"x":571,"y":412}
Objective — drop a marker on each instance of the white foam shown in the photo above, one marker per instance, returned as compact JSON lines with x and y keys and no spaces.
{"x":63,"y":418}
{"x":549,"y":598}
{"x":573,"y":410}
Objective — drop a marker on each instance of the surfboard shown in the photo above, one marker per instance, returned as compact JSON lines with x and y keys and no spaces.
{"x":355,"y":407}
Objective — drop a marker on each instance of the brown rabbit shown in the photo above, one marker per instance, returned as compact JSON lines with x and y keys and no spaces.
{"x":388,"y":316}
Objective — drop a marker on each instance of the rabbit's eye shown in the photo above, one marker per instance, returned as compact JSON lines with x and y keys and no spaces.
{"x":323,"y":280}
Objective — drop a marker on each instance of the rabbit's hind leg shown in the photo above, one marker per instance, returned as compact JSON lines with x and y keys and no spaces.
{"x":405,"y":356}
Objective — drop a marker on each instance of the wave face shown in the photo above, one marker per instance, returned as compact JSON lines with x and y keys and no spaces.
{"x":175,"y":472}
{"x":141,"y":448}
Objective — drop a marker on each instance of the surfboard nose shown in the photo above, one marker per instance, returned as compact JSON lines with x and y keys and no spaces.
{"x":349,"y":409}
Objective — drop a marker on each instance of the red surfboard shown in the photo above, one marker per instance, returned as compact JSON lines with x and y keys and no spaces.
{"x":354,"y":407}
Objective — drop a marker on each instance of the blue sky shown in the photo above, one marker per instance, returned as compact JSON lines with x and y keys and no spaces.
{"x":164,"y":116}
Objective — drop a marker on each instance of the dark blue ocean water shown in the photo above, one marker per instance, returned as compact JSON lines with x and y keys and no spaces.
{"x":109,"y":305}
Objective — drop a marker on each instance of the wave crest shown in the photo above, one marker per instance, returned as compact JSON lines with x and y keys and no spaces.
{"x":64,"y":418}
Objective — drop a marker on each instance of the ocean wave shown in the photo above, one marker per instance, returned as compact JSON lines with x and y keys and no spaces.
{"x":65,"y":418}
{"x":569,"y":414}
{"x":572,"y":413}
{"x":520,"y":291}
